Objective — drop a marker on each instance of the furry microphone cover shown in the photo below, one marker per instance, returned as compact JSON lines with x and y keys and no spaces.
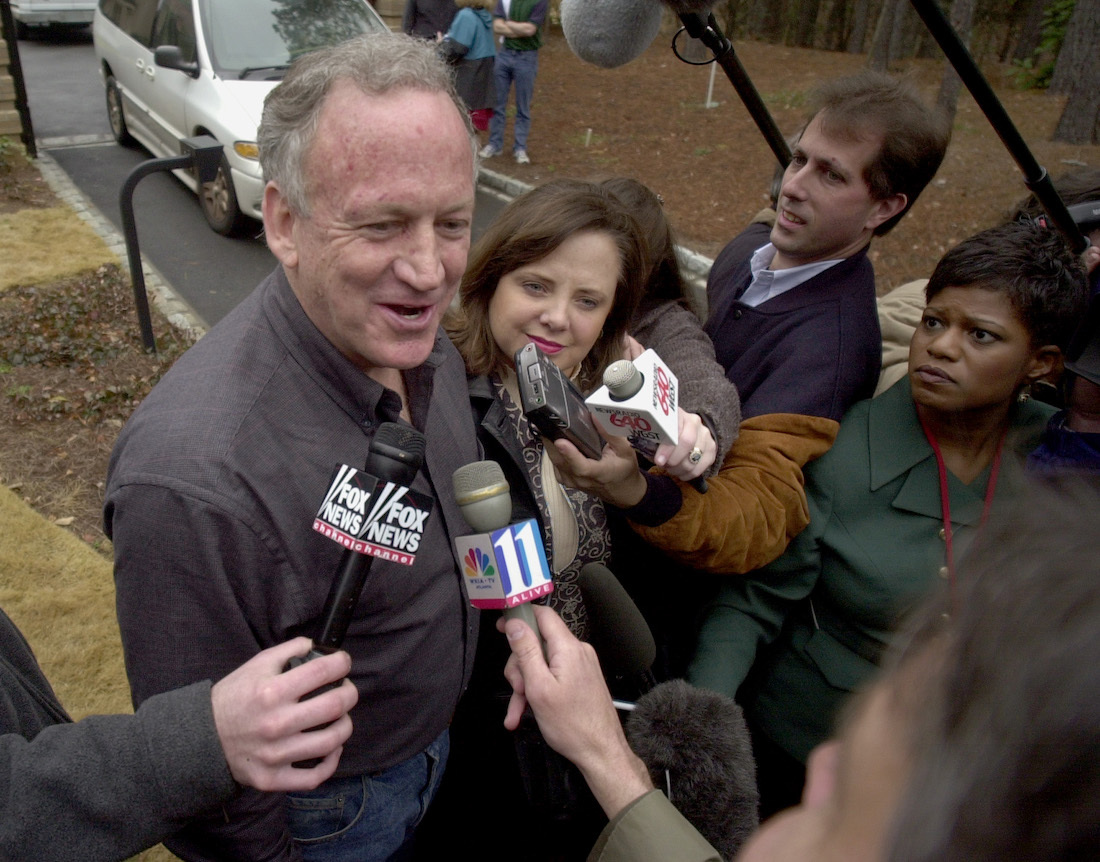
{"x":700,"y":737}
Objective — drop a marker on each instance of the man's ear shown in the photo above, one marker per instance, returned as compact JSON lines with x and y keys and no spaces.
{"x":886,"y":209}
{"x":1046,"y":364}
{"x":279,"y":224}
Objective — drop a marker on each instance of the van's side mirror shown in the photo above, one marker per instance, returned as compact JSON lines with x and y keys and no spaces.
{"x":170,"y":57}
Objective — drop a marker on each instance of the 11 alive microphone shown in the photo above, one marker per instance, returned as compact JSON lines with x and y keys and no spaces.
{"x":638,"y":400}
{"x":371,"y":513}
{"x":503,"y":565}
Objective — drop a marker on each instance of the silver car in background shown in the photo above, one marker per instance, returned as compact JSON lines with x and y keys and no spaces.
{"x":46,"y":13}
{"x":173,"y":69}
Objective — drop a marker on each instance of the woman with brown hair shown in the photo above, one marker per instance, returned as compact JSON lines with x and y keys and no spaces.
{"x":562,"y":267}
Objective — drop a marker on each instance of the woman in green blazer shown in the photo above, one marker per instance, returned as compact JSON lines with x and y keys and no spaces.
{"x":899,"y":497}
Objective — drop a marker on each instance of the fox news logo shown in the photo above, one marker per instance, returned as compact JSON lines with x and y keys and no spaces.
{"x":373,"y":517}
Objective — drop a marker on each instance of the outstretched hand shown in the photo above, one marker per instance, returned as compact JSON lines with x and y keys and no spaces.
{"x":614,"y":478}
{"x":693,"y":434}
{"x":571,"y":703}
{"x":265,"y":726}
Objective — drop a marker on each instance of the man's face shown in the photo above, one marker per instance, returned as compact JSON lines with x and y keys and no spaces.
{"x":825,"y":209}
{"x":389,"y":180}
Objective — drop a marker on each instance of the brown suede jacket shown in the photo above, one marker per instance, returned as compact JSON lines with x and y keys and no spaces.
{"x":755,"y":504}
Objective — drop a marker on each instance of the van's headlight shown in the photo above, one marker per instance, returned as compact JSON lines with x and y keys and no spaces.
{"x":247,"y":150}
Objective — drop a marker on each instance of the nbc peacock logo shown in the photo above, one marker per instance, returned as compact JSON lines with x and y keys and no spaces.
{"x":478,"y":564}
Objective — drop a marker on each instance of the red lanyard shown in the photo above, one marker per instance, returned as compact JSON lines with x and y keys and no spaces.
{"x":945,"y":499}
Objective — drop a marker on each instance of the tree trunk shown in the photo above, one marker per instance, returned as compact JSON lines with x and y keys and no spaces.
{"x":903,"y":38}
{"x":1031,"y":31}
{"x":857,"y":37}
{"x":835,"y":26}
{"x":729,"y":15}
{"x":1078,"y":47}
{"x":1012,"y":28}
{"x":765,"y":20}
{"x":962,"y":19}
{"x":1080,"y":122}
{"x":879,"y":58}
{"x":804,"y":25}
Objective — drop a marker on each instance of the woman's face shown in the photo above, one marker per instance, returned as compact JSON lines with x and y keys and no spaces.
{"x":971,"y":351}
{"x":559,"y":302}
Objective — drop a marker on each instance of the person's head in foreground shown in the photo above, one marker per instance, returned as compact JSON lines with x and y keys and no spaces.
{"x":982,"y":742}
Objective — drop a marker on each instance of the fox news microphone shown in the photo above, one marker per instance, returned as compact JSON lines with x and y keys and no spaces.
{"x":390,"y":528}
{"x":697,"y":749}
{"x":504,"y":565}
{"x":638,"y":400}
{"x":620,"y":635}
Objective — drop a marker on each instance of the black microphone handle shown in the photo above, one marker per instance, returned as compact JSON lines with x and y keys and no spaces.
{"x":347,"y":586}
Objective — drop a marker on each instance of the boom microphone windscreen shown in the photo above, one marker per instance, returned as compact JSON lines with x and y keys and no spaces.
{"x":700,"y":738}
{"x":610,"y":33}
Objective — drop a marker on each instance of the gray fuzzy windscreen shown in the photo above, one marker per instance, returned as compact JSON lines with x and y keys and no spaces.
{"x":700,"y":737}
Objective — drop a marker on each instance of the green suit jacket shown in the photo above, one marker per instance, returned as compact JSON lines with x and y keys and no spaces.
{"x":811,"y":626}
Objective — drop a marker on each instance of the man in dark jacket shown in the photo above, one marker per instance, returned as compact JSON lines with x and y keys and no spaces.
{"x":792,"y":313}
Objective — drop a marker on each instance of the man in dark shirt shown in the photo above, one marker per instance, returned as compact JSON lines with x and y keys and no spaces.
{"x":792,"y":313}
{"x":213,"y":487}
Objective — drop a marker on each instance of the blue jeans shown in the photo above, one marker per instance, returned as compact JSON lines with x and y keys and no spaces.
{"x":367,"y":818}
{"x":519,"y":68}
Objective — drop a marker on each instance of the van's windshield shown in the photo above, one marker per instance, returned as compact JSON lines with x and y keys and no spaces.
{"x":259,"y":39}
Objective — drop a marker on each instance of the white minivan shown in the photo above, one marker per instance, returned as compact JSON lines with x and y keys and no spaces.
{"x":174,"y":69}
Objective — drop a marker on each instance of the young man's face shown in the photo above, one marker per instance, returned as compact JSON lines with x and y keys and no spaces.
{"x":825,"y":209}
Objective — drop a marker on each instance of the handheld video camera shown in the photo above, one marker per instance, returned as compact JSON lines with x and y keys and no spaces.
{"x":552,"y":403}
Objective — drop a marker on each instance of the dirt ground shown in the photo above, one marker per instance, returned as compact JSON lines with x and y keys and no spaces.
{"x":71,"y":364}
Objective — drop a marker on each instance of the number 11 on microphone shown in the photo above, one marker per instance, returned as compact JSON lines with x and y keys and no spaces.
{"x":505,"y":568}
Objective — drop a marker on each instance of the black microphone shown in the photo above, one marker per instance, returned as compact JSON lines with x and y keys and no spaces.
{"x":697,"y":749}
{"x":394,"y":456}
{"x":619,"y":633}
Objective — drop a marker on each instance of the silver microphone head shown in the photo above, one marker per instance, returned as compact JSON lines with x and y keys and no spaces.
{"x":483,"y":495}
{"x":622,"y":379}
